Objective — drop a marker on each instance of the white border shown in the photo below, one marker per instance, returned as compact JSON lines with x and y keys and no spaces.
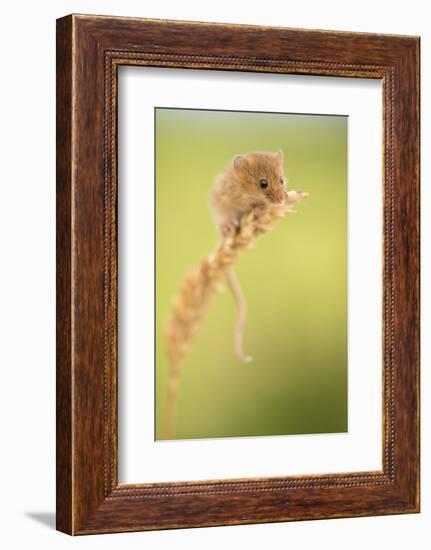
{"x":143,"y":460}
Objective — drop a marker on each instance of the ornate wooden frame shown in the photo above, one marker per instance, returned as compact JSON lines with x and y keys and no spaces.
{"x":89,"y":51}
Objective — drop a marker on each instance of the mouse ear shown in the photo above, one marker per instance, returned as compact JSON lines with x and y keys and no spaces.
{"x":280,"y":155}
{"x":239,"y":162}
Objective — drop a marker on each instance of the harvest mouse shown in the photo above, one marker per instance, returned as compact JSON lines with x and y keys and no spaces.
{"x":250,"y":181}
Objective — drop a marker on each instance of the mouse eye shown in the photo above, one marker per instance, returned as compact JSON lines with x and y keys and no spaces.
{"x":282,"y":181}
{"x":263,"y":183}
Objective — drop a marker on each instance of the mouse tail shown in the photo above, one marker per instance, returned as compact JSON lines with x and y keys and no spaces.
{"x":241,"y":307}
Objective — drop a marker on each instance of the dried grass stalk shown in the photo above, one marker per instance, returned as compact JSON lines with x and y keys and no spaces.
{"x":192,"y":302}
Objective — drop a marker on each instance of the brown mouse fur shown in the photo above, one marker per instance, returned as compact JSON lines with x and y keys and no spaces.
{"x":240,"y":188}
{"x":251,"y":180}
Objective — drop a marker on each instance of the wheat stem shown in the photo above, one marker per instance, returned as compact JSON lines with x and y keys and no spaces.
{"x":192,"y":302}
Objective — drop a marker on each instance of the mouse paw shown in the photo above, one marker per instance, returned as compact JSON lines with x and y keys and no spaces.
{"x":258,"y":209}
{"x":229,"y":227}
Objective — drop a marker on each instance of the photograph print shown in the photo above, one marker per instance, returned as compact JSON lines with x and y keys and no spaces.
{"x":251,"y":274}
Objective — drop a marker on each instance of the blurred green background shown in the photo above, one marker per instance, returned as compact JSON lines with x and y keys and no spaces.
{"x":294,"y":280}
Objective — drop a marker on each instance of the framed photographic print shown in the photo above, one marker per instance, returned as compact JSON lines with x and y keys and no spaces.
{"x":237,"y":274}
